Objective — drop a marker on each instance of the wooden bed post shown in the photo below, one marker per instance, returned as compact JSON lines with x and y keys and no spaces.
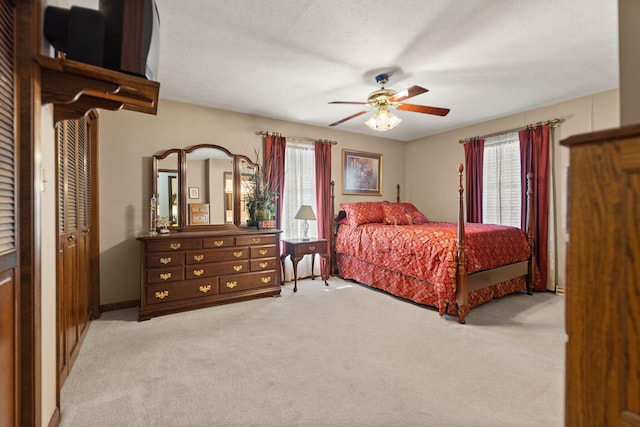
{"x":462,"y":292}
{"x":531,"y":275}
{"x":397,"y":193}
{"x":332,"y":243}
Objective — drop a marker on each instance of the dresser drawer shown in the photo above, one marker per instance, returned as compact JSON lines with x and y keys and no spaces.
{"x":264,"y":264}
{"x":162,"y":245}
{"x":181,"y":290}
{"x":229,"y":254}
{"x":255,"y":240}
{"x":218,"y":242}
{"x":204,"y":257}
{"x":165,"y":259}
{"x":310,"y":248}
{"x":242,"y":282}
{"x":217,"y":269}
{"x":263,"y":251}
{"x":168,"y":274}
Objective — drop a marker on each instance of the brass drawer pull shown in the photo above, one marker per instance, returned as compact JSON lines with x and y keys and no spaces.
{"x":205,"y":288}
{"x":232,"y":285}
{"x":237,"y":254}
{"x":265,"y":279}
{"x":165,"y":276}
{"x":165,"y":261}
{"x":256,"y":240}
{"x":237,"y":268}
{"x":264,"y":264}
{"x":174,"y":246}
{"x":218,"y":243}
{"x":198,"y":258}
{"x":263,"y":251}
{"x":162,"y":295}
{"x":312,"y":248}
{"x":198,"y":272}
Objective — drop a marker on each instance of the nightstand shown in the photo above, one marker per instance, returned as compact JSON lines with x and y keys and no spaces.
{"x":298,"y":248}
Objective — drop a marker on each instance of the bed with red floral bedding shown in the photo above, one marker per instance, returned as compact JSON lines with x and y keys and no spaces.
{"x":395,"y":248}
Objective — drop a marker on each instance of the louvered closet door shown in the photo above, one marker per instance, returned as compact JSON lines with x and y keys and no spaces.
{"x":74,"y":227}
{"x":8,"y":231}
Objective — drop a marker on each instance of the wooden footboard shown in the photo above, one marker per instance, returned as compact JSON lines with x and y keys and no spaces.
{"x":467,"y":283}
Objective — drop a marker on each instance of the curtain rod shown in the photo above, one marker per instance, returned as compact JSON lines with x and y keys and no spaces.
{"x":553,"y":122}
{"x":268,"y":133}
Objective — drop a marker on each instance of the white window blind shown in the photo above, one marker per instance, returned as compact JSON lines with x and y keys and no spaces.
{"x":501,"y":189}
{"x":299,"y":187}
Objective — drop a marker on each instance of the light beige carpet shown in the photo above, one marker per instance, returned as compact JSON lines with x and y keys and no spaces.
{"x":342,"y":355}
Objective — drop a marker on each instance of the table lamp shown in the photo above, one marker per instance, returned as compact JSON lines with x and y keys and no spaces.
{"x":305,"y":212}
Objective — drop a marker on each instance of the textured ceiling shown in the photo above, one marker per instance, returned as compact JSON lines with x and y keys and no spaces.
{"x":483,"y":59}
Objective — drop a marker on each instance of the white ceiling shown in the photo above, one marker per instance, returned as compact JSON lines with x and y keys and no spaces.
{"x":483,"y":59}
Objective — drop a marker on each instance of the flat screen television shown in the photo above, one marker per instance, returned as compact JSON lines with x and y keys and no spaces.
{"x":122,"y":35}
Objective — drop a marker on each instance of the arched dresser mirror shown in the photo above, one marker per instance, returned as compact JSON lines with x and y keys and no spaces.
{"x":202,"y":187}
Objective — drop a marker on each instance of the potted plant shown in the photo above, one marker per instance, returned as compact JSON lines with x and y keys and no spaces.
{"x":260,"y":201}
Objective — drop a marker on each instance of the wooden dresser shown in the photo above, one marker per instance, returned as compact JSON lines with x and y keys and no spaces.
{"x":188,"y":270}
{"x":603,"y":279}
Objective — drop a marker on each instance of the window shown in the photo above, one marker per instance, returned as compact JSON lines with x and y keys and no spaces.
{"x":501,"y":187}
{"x":299,"y":187}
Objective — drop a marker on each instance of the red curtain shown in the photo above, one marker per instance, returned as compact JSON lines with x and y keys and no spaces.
{"x":274,"y":147}
{"x":473,"y":157}
{"x":534,"y":158}
{"x":323,"y":191}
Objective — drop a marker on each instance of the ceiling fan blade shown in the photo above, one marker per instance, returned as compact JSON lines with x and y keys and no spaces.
{"x":349,"y":118}
{"x":408,"y":93}
{"x":423,"y":109}
{"x":348,"y":102}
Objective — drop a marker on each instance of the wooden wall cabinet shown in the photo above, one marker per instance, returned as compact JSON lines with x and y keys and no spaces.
{"x":603,"y":279}
{"x":189,"y":270}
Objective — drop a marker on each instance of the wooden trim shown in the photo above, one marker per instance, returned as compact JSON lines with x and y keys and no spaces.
{"x":28,"y":219}
{"x":602,"y":136}
{"x":94,"y":250}
{"x":119,"y":305}
{"x":54,"y":421}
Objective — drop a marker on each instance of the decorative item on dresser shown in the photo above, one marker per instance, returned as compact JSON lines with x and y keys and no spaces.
{"x":197,"y":269}
{"x":603,"y":279}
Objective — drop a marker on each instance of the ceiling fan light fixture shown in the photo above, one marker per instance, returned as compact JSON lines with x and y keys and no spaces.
{"x":383,"y":120}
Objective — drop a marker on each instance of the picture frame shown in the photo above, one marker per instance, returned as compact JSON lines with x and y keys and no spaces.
{"x":361,"y":173}
{"x":194,"y":192}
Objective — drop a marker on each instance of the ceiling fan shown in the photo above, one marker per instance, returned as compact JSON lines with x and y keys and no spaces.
{"x":383,"y":100}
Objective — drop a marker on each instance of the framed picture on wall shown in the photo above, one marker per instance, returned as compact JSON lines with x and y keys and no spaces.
{"x":194,"y":192}
{"x":361,"y":173}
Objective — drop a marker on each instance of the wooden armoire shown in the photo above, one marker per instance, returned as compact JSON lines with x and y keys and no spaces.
{"x":603,"y":280}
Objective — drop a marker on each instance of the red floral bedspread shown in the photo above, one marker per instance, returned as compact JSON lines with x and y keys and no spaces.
{"x":428,"y":251}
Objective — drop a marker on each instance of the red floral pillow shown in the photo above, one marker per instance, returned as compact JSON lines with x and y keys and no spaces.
{"x":363,"y":212}
{"x":395,"y":214}
{"x":403,"y":214}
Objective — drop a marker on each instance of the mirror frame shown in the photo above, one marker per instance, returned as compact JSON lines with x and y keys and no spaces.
{"x":237,"y":160}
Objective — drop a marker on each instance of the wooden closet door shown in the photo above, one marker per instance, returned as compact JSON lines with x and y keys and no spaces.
{"x":8,"y":230}
{"x":74,"y":233}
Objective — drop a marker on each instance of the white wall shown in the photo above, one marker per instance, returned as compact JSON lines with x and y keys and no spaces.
{"x":430,"y":163}
{"x":48,"y":263}
{"x":628,"y":35}
{"x":128,"y":140}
